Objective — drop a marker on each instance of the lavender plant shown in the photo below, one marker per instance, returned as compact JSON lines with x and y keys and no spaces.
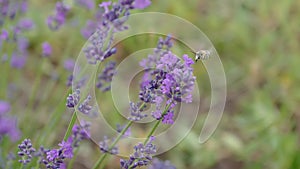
{"x":167,"y":82}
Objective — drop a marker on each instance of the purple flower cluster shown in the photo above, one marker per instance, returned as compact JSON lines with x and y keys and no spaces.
{"x":26,"y":151}
{"x":9,"y":9}
{"x":69,"y":64}
{"x":54,"y":158}
{"x":136,"y":111}
{"x":108,"y":22}
{"x":47,"y":49}
{"x":142,"y":155}
{"x":105,"y":77}
{"x":73,"y":99}
{"x":84,"y":107}
{"x":55,"y":21}
{"x":8,"y":124}
{"x":105,"y":147}
{"x":167,"y":79}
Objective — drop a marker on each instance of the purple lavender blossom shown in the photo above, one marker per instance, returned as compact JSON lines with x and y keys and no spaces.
{"x":105,"y":5}
{"x":80,"y":133}
{"x":141,"y":4}
{"x":8,"y":126}
{"x":25,"y":24}
{"x":18,"y":61}
{"x":105,"y":147}
{"x":136,"y":111}
{"x":73,"y":99}
{"x":67,"y":148}
{"x":112,"y":21}
{"x":157,"y":114}
{"x":4,"y":107}
{"x":105,"y":77}
{"x":19,"y":57}
{"x":54,"y":22}
{"x":69,"y":64}
{"x":26,"y":151}
{"x":168,"y":118}
{"x":10,"y":8}
{"x":142,"y":155}
{"x":4,"y":35}
{"x":47,"y":49}
{"x":158,"y":164}
{"x":55,"y":158}
{"x":167,"y":79}
{"x":84,"y":107}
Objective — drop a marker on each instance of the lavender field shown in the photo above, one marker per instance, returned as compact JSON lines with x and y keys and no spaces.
{"x":149,"y":84}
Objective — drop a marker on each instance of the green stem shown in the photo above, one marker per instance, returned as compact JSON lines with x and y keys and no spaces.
{"x":153,"y":129}
{"x":156,"y":124}
{"x":103,"y":156}
{"x":71,"y":124}
{"x":21,"y":166}
{"x":112,"y":145}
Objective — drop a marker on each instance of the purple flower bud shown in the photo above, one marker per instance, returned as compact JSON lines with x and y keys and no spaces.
{"x":105,"y":5}
{"x":105,"y":77}
{"x":84,"y":107}
{"x":47,"y":49}
{"x":105,"y":147}
{"x":136,"y":111}
{"x":168,"y":118}
{"x":141,"y":156}
{"x":26,"y":151}
{"x":4,"y":35}
{"x":69,"y":64}
{"x":54,"y":22}
{"x":18,"y":61}
{"x":73,"y":99}
{"x":25,"y":24}
{"x":4,"y":107}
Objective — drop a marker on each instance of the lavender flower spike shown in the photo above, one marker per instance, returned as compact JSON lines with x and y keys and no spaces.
{"x":104,"y":147}
{"x":142,"y":155}
{"x":136,"y":111}
{"x":26,"y":151}
{"x":84,"y":107}
{"x":105,"y":77}
{"x":47,"y":49}
{"x":73,"y":99}
{"x":56,"y":21}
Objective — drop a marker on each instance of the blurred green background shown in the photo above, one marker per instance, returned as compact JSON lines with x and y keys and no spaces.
{"x":258,"y":43}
